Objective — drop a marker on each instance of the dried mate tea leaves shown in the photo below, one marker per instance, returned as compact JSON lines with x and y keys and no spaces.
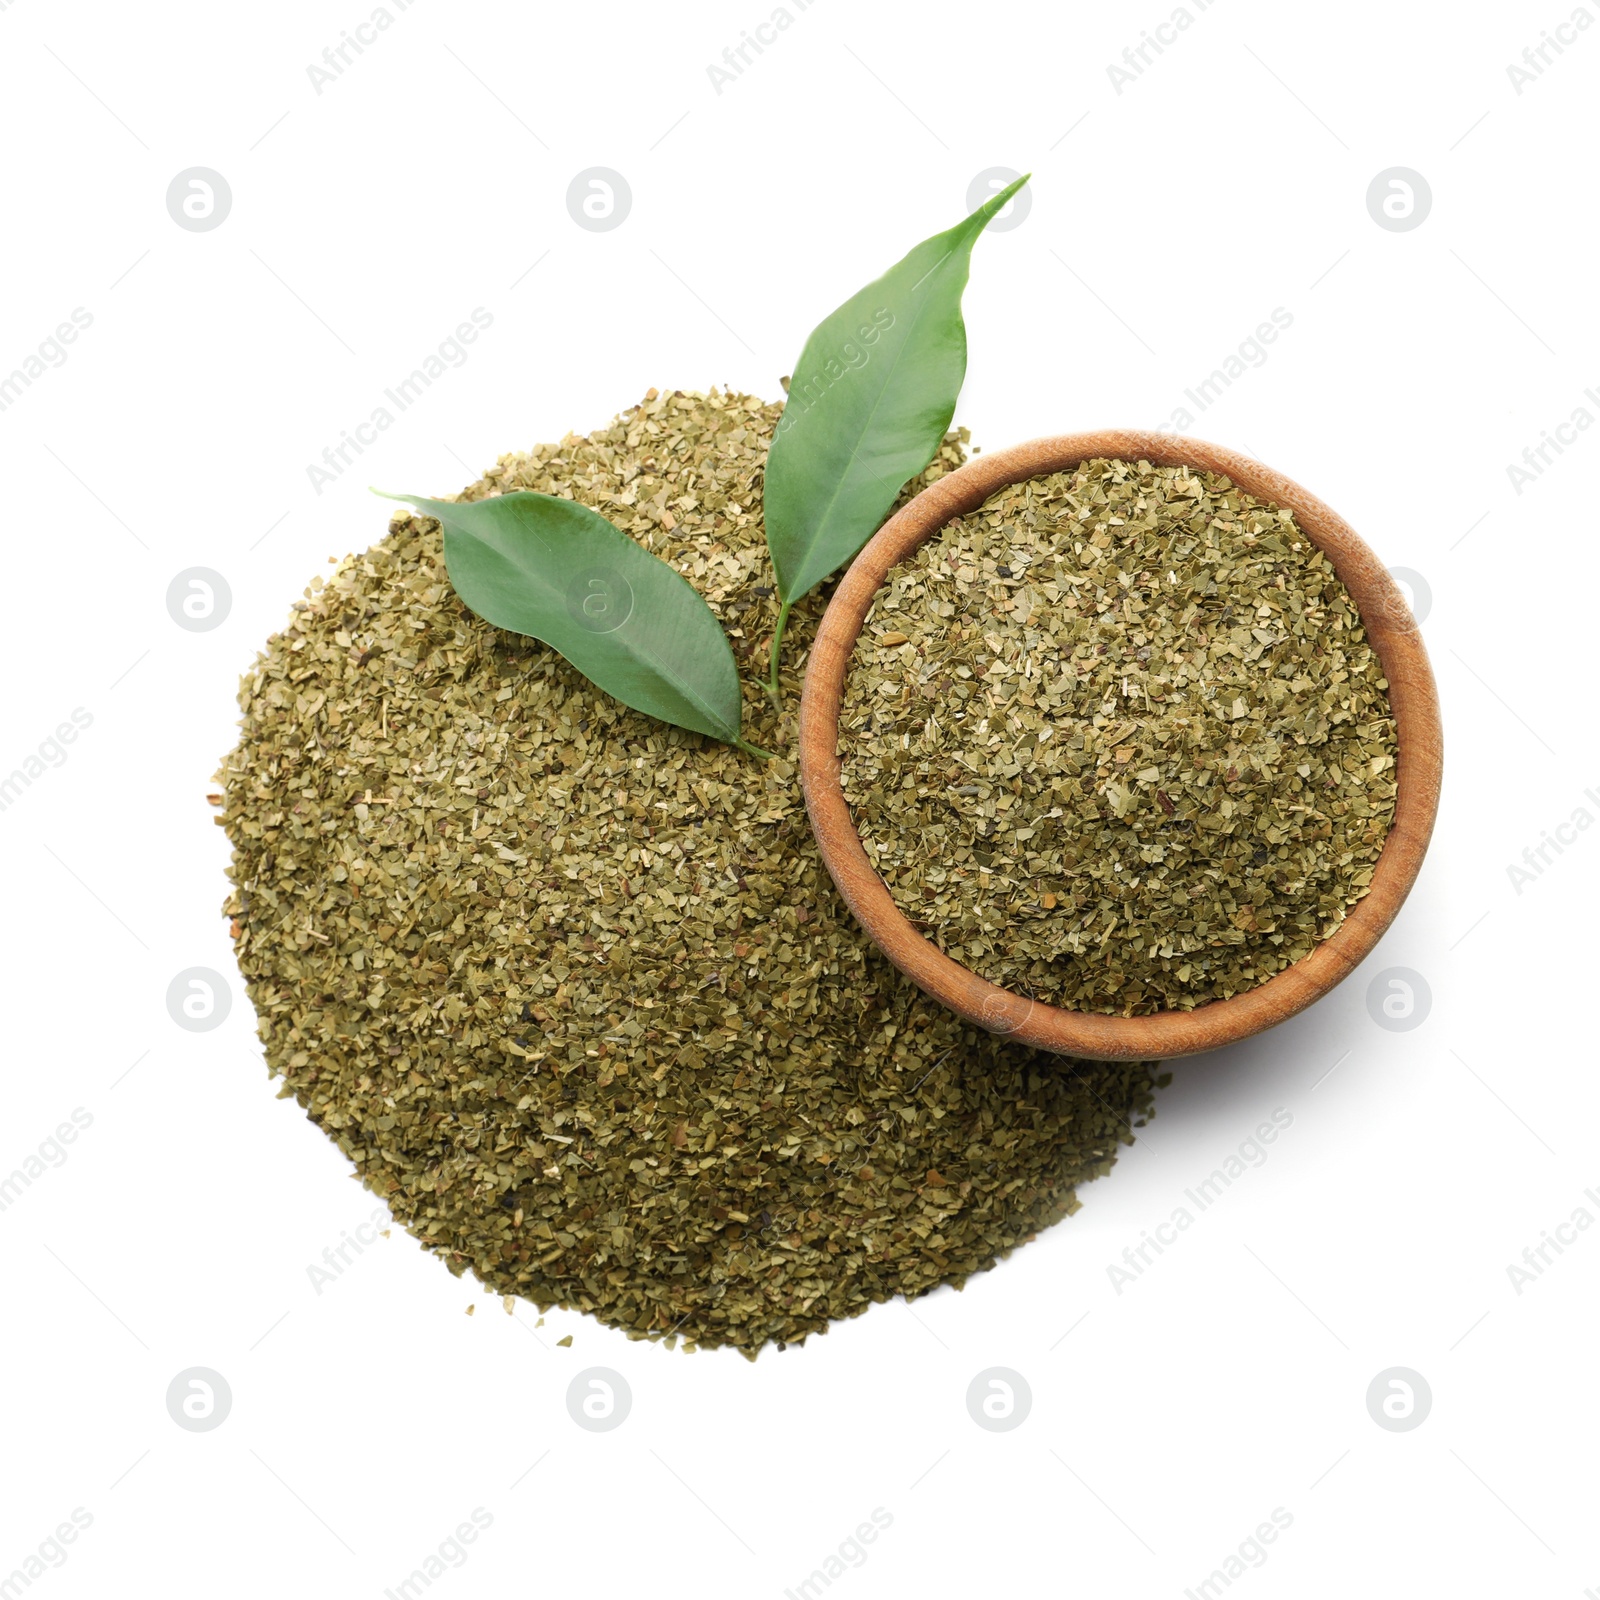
{"x":572,"y":988}
{"x":1117,"y":740}
{"x":871,"y":397}
{"x":632,"y":625}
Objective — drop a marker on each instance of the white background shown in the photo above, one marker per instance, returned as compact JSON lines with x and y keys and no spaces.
{"x":1167,"y":220}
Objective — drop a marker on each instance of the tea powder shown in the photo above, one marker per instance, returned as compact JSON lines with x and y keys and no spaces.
{"x":572,"y":989}
{"x":1118,"y":741}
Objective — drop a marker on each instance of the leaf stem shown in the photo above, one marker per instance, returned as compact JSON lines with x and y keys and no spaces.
{"x":777,"y":645}
{"x":753,"y":749}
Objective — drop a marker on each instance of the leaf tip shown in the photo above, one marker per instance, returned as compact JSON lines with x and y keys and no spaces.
{"x":992,"y":207}
{"x":995,"y":202}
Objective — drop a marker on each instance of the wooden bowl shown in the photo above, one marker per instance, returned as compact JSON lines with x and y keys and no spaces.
{"x":1390,"y":627}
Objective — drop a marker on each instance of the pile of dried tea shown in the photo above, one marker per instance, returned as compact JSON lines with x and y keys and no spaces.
{"x":572,"y":988}
{"x":1117,"y":740}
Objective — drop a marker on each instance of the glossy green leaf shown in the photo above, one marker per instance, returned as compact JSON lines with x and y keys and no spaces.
{"x":871,"y":397}
{"x":562,"y":574}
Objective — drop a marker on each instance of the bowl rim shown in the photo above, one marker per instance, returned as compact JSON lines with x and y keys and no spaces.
{"x":1413,"y":700}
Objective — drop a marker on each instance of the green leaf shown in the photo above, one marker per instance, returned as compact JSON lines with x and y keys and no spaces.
{"x":871,"y":398}
{"x":628,"y":622}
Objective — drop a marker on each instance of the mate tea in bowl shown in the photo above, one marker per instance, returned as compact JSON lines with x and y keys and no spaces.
{"x":1139,"y":753}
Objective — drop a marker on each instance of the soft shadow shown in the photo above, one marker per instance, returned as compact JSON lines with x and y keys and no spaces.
{"x":1223,"y":1087}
